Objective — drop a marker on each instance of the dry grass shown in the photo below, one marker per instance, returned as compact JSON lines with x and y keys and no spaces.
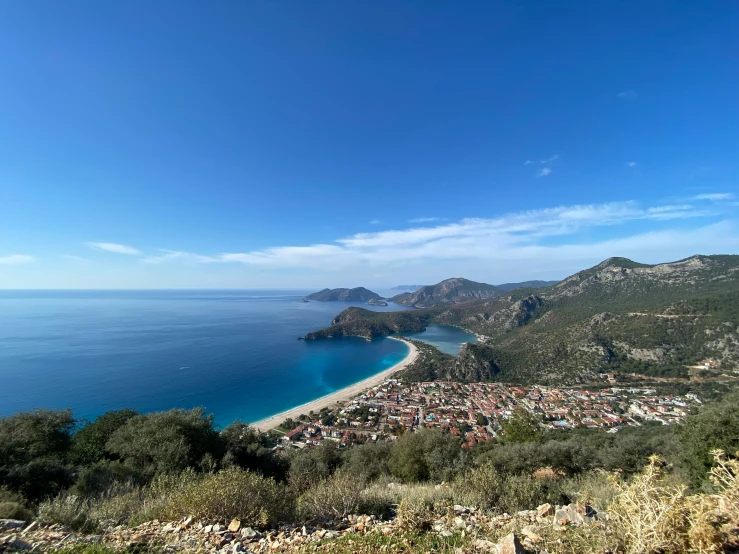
{"x":652,"y":516}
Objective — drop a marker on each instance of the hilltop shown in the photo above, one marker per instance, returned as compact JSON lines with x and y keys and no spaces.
{"x":526,"y":285}
{"x":618,"y":316}
{"x":449,"y":291}
{"x":358,"y":294}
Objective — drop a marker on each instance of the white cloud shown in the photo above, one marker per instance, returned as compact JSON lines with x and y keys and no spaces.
{"x":469,"y":241}
{"x":73,"y":258}
{"x":542,"y":162}
{"x":715,"y":196}
{"x":16,"y":259}
{"x":114,"y":247}
{"x":631,"y":164}
{"x":628,"y":95}
{"x":544,"y":171}
{"x":423,"y":219}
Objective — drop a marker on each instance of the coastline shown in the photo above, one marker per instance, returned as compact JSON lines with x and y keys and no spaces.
{"x":341,"y":395}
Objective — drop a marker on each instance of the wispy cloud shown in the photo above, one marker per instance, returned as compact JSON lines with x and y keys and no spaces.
{"x":114,"y":247}
{"x":423,"y":219}
{"x":543,"y":172}
{"x":631,"y":164}
{"x":628,"y":95}
{"x":73,"y":258}
{"x":506,"y":237}
{"x":16,"y":259}
{"x":375,"y":222}
{"x":715,"y":196}
{"x":541,"y":162}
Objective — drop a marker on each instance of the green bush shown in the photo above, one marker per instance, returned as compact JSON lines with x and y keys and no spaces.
{"x":101,"y":476}
{"x":228,"y":494}
{"x":490,"y":489}
{"x":88,"y":444}
{"x":165,"y":442}
{"x":425,"y":455}
{"x":33,"y":452}
{"x":333,"y":498}
{"x":15,"y":510}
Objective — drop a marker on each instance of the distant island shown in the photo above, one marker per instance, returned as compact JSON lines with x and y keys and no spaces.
{"x":407,"y":288}
{"x":358,"y":294}
{"x":376,"y":302}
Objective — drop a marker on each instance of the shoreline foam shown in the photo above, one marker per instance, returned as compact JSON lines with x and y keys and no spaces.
{"x":341,"y":395}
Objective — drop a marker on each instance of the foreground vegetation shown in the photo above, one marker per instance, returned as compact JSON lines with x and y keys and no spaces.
{"x":129,"y":468}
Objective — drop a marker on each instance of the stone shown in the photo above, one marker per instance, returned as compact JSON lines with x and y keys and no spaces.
{"x":510,"y":545}
{"x":11,"y":523}
{"x":545,"y":510}
{"x":234,"y":526}
{"x":187,"y":522}
{"x":529,"y":531}
{"x":459,"y":523}
{"x":249,"y":533}
{"x":207,"y":529}
{"x":484,"y":545}
{"x":445,"y":533}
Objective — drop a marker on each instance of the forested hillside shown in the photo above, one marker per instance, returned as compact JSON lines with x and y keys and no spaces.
{"x":619,"y":316}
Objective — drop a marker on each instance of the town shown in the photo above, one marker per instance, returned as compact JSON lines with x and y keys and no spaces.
{"x":474,"y":411}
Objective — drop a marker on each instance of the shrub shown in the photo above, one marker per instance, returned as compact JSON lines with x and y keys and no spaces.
{"x":228,"y":494}
{"x":488,"y":488}
{"x":413,"y":517}
{"x":648,"y":516}
{"x":88,"y":444}
{"x":595,"y":488}
{"x":67,"y":509}
{"x":166,"y":441}
{"x":15,"y":510}
{"x":309,"y":467}
{"x":333,"y":498}
{"x":33,"y":452}
{"x":425,"y":455}
{"x":100,"y":477}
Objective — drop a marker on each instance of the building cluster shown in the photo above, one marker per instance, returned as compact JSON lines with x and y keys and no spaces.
{"x":475,"y":412}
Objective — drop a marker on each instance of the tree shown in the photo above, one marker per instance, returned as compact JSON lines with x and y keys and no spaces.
{"x":521,"y":427}
{"x":166,"y":441}
{"x":423,"y":455}
{"x":34,"y":448}
{"x":88,"y":444}
{"x":713,"y":426}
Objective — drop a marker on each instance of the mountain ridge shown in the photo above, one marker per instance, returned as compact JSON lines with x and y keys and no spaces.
{"x":448,"y":291}
{"x":618,"y":316}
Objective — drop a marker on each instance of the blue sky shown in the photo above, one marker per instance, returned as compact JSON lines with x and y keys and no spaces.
{"x":282,"y":144}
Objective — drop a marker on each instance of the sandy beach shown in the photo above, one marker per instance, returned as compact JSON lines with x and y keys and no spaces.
{"x":341,"y":395}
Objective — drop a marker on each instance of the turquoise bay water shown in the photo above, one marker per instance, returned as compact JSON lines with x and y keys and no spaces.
{"x":234,"y":352}
{"x":446,"y":338}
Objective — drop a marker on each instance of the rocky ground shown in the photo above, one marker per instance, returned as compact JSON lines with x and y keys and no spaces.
{"x":476,"y":531}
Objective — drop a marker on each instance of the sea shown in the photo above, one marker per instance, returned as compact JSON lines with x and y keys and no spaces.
{"x":234,"y":352}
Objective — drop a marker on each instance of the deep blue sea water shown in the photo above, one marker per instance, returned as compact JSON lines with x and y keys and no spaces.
{"x":234,"y":352}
